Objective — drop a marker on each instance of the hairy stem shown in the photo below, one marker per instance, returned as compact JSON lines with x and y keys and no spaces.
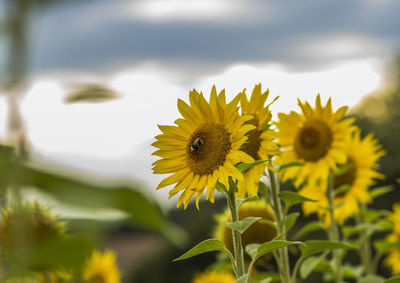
{"x":237,"y":239}
{"x":280,"y":221}
{"x":334,"y":232}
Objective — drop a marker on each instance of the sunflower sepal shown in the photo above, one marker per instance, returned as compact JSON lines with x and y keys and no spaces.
{"x":221,"y":187}
{"x":244,"y":167}
{"x":341,"y":170}
{"x":242,"y":225}
{"x":342,"y":190}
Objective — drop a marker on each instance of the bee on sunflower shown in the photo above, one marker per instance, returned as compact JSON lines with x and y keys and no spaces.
{"x":102,"y":268}
{"x":351,"y":186}
{"x":260,"y":144}
{"x":317,"y":137}
{"x":214,"y":277}
{"x":203,"y":147}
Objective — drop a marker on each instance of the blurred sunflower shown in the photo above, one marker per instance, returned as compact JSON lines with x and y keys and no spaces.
{"x":214,"y":277}
{"x":260,"y":144}
{"x":317,"y":137}
{"x":25,"y":229}
{"x":361,"y":165}
{"x":102,"y":268}
{"x":256,"y":234}
{"x":203,"y":148}
{"x":393,"y":259}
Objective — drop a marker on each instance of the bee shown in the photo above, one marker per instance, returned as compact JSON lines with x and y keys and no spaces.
{"x":197,"y":143}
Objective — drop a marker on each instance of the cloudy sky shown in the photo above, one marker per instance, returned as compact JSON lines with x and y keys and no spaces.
{"x":153,"y":51}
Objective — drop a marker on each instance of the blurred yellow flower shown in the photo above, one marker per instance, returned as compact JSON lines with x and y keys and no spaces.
{"x":393,"y":259}
{"x":257,"y":233}
{"x":24,"y":229}
{"x":214,"y":277}
{"x":102,"y":268}
{"x":317,"y":137}
{"x":260,"y":144}
{"x":203,"y":148}
{"x":363,"y":154}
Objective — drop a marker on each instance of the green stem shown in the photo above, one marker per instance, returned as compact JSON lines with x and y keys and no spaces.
{"x":334,"y":232}
{"x":237,"y":239}
{"x":280,"y":221}
{"x":365,"y":251}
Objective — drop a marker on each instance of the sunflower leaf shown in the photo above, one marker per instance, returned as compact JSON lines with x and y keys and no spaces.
{"x":310,"y":264}
{"x":371,"y":279}
{"x":317,"y":246}
{"x":291,"y":220}
{"x":232,"y":185}
{"x":363,"y":227}
{"x":242,"y":225}
{"x":342,"y":189}
{"x":290,"y":164}
{"x":343,"y":170}
{"x":208,"y":245}
{"x":291,"y":198}
{"x":91,"y":93}
{"x":243,"y":167}
{"x":384,"y":246}
{"x":268,"y":222}
{"x":376,"y":192}
{"x":221,"y":188}
{"x":310,"y":227}
{"x":266,"y":280}
{"x":241,"y":201}
{"x":242,"y":279}
{"x":259,"y":250}
{"x":395,"y":279}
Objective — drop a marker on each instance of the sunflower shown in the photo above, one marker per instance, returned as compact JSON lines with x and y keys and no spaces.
{"x":317,"y":137}
{"x":393,"y":259}
{"x":102,"y":268}
{"x":25,"y":229}
{"x":257,"y":233}
{"x":362,"y":157}
{"x":214,"y":277}
{"x":204,"y":146}
{"x":260,"y":144}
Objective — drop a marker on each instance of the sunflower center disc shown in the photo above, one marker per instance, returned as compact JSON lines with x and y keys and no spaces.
{"x":313,"y":140}
{"x":347,"y":178}
{"x":253,"y":142}
{"x":207,"y":148}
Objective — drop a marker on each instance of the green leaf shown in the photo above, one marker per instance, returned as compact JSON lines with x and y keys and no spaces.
{"x":91,"y":93}
{"x":342,"y":170}
{"x":363,"y":227}
{"x":291,"y":198}
{"x":262,"y":188}
{"x":221,"y":188}
{"x":371,"y":215}
{"x":395,"y":279}
{"x":96,"y":195}
{"x":241,"y":201}
{"x":371,"y":279}
{"x":242,"y":225}
{"x":290,"y":220}
{"x":267,"y":222}
{"x":290,"y":164}
{"x":376,"y":192}
{"x":384,"y":246}
{"x":208,"y":245}
{"x":310,"y":264}
{"x":342,"y":189}
{"x":385,"y":224}
{"x":316,"y":246}
{"x":352,"y":272}
{"x":242,"y":279}
{"x":243,"y":167}
{"x":266,"y":280}
{"x":251,"y":249}
{"x":310,"y":227}
{"x":267,"y":247}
